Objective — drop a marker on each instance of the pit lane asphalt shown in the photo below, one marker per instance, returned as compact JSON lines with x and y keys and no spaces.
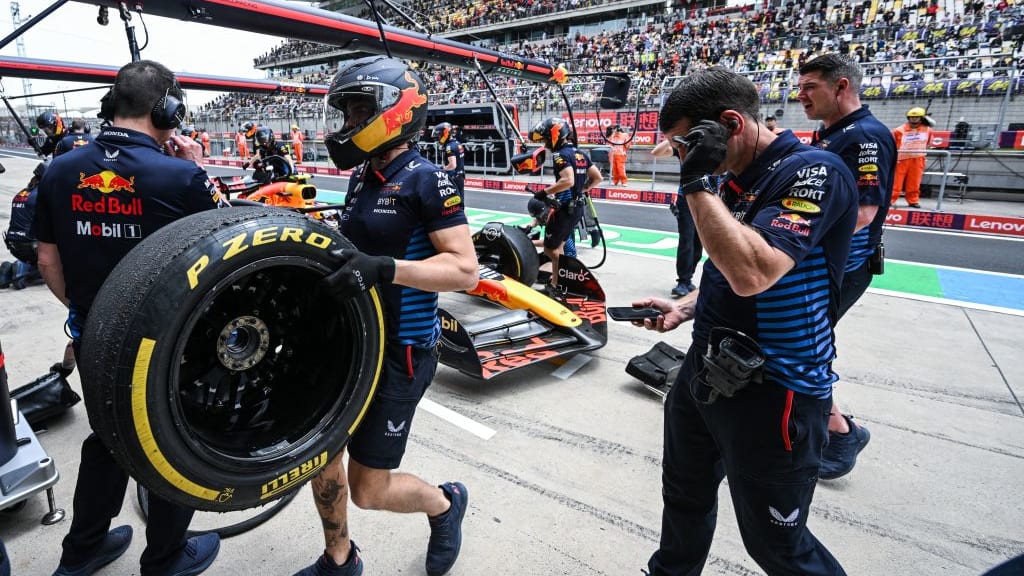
{"x":570,"y":482}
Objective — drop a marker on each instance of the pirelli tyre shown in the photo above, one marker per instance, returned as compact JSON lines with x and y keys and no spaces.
{"x":507,"y":249}
{"x":215,"y":369}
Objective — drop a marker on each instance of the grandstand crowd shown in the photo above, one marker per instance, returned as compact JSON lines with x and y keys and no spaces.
{"x":885,"y":36}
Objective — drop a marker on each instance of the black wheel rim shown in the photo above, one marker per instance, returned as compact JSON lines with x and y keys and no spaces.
{"x":266,"y":363}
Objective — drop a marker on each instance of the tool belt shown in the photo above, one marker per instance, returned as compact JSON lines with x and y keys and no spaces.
{"x":733,"y":361}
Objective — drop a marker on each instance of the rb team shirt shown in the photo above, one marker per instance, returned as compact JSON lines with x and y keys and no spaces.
{"x":802,"y":201}
{"x":869,"y":151}
{"x":99,"y":202}
{"x":392,"y":213}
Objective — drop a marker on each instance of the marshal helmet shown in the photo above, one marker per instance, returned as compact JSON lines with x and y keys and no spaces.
{"x":383,"y":104}
{"x":916,"y":112}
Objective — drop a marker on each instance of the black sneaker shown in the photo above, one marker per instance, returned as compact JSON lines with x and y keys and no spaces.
{"x":112,"y":547}
{"x":681,"y":289}
{"x":325,"y":566}
{"x":915,"y":205}
{"x":200,"y":551}
{"x":446,"y":531}
{"x":840,"y":455}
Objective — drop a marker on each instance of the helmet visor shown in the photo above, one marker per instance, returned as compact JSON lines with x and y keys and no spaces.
{"x":360,"y":103}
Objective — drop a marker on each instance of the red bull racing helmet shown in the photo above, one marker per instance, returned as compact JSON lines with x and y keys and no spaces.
{"x":442,"y":132}
{"x":264,"y":136}
{"x":248,"y":128}
{"x":553,"y":133}
{"x":50,"y":123}
{"x":383,"y":103}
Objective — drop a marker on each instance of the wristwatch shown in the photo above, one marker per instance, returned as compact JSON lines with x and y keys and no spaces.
{"x":702,"y":184}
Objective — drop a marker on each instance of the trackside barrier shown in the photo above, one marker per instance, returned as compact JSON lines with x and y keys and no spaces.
{"x":896,"y":217}
{"x":945,"y":174}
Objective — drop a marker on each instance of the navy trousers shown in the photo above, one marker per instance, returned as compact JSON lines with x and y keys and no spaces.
{"x":99,"y":494}
{"x":689,"y":249}
{"x":767,"y":440}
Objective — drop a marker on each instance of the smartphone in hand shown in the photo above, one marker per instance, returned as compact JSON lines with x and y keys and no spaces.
{"x":628,"y":314}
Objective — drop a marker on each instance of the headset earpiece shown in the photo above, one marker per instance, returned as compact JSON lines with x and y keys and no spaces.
{"x":168,"y":112}
{"x":732,"y":124}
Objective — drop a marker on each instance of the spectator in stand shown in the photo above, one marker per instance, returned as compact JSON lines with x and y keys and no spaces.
{"x":912,"y":140}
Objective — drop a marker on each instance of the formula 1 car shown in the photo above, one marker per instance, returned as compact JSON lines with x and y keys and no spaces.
{"x":536,"y":327}
{"x":270,"y":184}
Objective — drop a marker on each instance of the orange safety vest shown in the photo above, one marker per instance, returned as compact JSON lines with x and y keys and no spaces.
{"x":912,"y":141}
{"x":619,"y":145}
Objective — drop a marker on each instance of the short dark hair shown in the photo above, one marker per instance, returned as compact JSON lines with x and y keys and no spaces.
{"x":140,"y":85}
{"x":833,"y":67}
{"x":705,"y":94}
{"x":77,"y":124}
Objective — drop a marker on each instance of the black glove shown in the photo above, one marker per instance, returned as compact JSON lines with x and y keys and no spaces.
{"x":358,"y":273}
{"x":541,"y":195}
{"x":705,"y":150}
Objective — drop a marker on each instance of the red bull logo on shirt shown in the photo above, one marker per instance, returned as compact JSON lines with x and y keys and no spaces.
{"x":106,"y":182}
{"x":793,"y":222}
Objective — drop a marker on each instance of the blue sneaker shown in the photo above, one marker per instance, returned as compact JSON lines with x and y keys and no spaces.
{"x":446,"y":531}
{"x":199,"y":553}
{"x":112,"y":547}
{"x":681,"y":289}
{"x":325,"y":566}
{"x":840,"y":456}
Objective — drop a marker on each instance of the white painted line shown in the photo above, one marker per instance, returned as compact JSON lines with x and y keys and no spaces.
{"x":948,"y":302}
{"x":565,"y":371}
{"x":473,"y":427}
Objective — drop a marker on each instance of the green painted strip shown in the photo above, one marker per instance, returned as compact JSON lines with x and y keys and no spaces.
{"x":909,"y":278}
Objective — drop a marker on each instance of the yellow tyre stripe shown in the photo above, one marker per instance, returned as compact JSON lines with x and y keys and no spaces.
{"x":374,"y":294}
{"x":140,"y":415}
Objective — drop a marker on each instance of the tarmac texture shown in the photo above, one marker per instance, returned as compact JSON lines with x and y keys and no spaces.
{"x":569,"y":483}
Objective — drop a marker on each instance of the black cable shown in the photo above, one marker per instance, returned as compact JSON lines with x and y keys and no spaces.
{"x":380,"y":26}
{"x":144,"y":29}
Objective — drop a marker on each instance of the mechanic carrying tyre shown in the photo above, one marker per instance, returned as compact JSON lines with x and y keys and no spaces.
{"x":93,"y":207}
{"x":406,"y":219}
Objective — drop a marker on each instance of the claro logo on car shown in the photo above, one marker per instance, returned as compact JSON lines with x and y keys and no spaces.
{"x":242,"y":242}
